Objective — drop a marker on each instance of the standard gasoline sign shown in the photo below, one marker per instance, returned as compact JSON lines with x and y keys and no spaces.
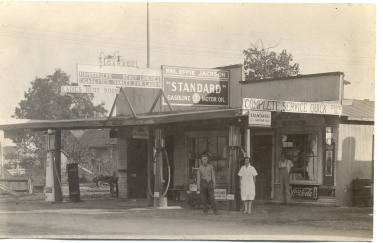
{"x":196,"y":86}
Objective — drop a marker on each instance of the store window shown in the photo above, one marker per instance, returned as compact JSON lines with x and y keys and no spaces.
{"x":330,"y":147}
{"x":302,"y":150}
{"x":216,"y":148}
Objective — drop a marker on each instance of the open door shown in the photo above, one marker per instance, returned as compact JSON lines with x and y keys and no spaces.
{"x":261,"y":153}
{"x":137,"y":164}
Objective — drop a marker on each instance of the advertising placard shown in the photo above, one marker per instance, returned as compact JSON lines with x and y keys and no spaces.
{"x":260,"y":118}
{"x":323,"y":108}
{"x":304,"y":192}
{"x":118,"y":76}
{"x":220,"y":194}
{"x":230,"y":197}
{"x":196,"y":86}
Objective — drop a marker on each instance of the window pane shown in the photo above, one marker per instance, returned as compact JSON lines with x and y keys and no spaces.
{"x":302,"y":150}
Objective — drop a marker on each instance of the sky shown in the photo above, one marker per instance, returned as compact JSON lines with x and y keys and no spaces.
{"x":38,"y":37}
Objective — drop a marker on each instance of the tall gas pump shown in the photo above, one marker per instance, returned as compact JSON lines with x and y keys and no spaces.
{"x":52,"y":188}
{"x":160,"y":157}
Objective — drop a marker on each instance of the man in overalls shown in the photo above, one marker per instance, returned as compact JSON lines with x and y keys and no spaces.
{"x":206,"y":184}
{"x":284,"y":175}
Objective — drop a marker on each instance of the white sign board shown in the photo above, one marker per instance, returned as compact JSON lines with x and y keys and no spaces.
{"x":118,"y":76}
{"x":260,"y":118}
{"x":186,"y":86}
{"x":323,"y":108}
{"x":193,"y":187}
{"x":230,"y":197}
{"x":90,"y":90}
{"x":220,"y":194}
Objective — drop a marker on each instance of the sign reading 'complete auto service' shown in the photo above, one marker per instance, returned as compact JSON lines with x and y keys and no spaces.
{"x":194,"y":86}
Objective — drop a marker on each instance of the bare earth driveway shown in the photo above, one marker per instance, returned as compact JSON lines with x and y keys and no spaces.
{"x":125,"y":219}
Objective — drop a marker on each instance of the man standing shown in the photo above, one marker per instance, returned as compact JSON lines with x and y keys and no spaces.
{"x":206,"y":184}
{"x":284,"y":176}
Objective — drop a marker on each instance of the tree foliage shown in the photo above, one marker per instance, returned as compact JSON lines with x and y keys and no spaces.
{"x":261,"y":63}
{"x":43,"y":101}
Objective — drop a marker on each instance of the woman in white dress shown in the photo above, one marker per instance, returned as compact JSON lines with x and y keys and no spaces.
{"x":247,"y":175}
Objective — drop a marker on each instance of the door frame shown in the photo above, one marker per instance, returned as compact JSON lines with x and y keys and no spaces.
{"x":253,"y":133}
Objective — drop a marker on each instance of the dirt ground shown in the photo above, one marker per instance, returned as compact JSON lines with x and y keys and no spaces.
{"x":131,"y":219}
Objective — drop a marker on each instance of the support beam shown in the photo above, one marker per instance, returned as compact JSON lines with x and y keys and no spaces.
{"x":149,"y":168}
{"x":247,"y":142}
{"x":57,"y":166}
{"x":159,"y":143}
{"x":122,"y":165}
{"x":113,"y":106}
{"x":234,"y":163}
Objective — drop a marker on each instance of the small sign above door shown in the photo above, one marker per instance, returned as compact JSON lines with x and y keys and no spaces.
{"x":259,"y":118}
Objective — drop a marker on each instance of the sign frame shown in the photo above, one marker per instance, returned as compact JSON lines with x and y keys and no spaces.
{"x":327,"y":108}
{"x":118,"y":76}
{"x":191,"y":77}
{"x":264,"y":121}
{"x":304,"y":189}
{"x":218,"y":192}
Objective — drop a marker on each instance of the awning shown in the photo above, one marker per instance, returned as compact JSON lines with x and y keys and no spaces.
{"x":144,"y":119}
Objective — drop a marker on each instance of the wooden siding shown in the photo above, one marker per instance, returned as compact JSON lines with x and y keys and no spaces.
{"x":354,"y":158}
{"x":312,"y":88}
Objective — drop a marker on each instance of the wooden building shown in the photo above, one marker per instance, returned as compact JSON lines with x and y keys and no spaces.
{"x":162,"y":132}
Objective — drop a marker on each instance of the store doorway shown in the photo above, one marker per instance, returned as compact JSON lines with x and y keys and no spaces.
{"x":137,"y":164}
{"x":261,"y":152}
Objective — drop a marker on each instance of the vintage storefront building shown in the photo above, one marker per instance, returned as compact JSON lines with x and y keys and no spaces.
{"x":220,"y":114}
{"x":163,"y":129}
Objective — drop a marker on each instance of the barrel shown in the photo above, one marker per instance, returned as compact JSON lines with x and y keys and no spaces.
{"x":362,"y":192}
{"x":73,"y":182}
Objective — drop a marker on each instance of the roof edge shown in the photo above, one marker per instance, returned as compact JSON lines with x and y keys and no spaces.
{"x":292,"y":77}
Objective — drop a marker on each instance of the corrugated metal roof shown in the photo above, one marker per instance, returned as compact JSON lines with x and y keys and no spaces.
{"x":360,"y":110}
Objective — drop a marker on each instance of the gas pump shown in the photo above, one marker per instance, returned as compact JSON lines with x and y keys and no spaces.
{"x":161,"y":183}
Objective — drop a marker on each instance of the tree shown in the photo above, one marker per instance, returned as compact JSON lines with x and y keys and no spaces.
{"x":43,"y":101}
{"x":261,"y":63}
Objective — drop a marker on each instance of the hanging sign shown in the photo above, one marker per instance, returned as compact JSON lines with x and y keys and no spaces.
{"x":118,"y":76}
{"x":195,"y":86}
{"x":292,"y":106}
{"x":260,"y":118}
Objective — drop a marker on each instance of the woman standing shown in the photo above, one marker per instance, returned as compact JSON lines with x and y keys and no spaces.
{"x":247,"y":175}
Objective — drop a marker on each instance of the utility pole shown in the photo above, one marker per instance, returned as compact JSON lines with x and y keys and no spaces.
{"x":147,"y":37}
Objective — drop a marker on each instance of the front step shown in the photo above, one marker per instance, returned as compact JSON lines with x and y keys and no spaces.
{"x":322,"y":201}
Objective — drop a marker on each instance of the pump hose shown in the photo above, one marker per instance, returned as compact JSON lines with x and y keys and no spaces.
{"x":169,"y":175}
